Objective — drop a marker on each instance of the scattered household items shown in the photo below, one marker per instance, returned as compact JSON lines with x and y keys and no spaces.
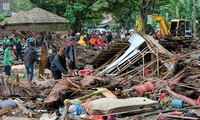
{"x":137,"y":78}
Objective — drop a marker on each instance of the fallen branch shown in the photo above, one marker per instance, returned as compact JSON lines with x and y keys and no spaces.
{"x":45,"y":79}
{"x":77,"y":86}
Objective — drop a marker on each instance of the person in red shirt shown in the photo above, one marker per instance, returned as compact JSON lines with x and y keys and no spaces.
{"x":100,"y":43}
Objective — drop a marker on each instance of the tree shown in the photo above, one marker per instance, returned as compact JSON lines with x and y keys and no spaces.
{"x":185,"y":10}
{"x":146,"y":8}
{"x":124,"y":12}
{"x":82,"y":13}
{"x":3,"y":16}
{"x":21,"y":5}
{"x":78,"y":12}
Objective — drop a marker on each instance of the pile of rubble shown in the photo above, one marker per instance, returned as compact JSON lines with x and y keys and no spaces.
{"x":85,"y":56}
{"x":142,"y":79}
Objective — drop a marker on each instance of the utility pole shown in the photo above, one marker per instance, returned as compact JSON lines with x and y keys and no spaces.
{"x":194,"y":20}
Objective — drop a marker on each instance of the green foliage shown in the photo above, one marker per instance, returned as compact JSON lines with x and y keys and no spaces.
{"x":185,"y":10}
{"x":116,"y":27}
{"x":82,"y":13}
{"x":124,"y":12}
{"x":3,"y":16}
{"x":126,"y":20}
{"x":79,"y":13}
{"x":21,"y":5}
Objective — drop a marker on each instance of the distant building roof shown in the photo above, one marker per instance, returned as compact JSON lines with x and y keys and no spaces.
{"x":36,"y":19}
{"x":36,"y":15}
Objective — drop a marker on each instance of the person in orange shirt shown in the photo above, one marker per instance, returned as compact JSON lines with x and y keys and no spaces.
{"x":92,"y":41}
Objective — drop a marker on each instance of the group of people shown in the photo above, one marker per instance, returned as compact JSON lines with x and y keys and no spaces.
{"x":11,"y":47}
{"x":100,"y":40}
{"x":17,"y":46}
{"x":29,"y":58}
{"x":61,"y":62}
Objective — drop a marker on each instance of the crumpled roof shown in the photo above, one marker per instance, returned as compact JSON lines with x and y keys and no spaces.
{"x":36,"y":15}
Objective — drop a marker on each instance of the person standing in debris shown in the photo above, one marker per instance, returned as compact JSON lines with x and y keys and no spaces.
{"x":49,"y":61}
{"x":6,"y":42}
{"x":8,"y":61}
{"x":81,"y":41}
{"x":58,"y":65}
{"x":30,"y":39}
{"x":29,"y":59}
{"x":100,"y":43}
{"x":109,"y":37}
{"x":13,"y":42}
{"x":70,"y":55}
{"x":18,"y":49}
{"x":92,"y":41}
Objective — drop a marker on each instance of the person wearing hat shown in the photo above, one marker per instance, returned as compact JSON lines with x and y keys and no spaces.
{"x":70,"y":55}
{"x":29,"y":59}
{"x":8,"y":60}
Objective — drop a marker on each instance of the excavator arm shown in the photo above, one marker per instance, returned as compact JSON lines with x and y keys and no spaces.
{"x":161,"y":22}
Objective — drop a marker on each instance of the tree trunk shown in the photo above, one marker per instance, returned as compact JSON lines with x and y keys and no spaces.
{"x":194,"y":19}
{"x":146,"y":8}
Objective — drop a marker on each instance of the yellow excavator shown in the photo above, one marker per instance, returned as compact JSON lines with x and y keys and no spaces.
{"x":178,"y":29}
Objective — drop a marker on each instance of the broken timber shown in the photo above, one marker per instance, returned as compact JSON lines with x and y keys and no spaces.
{"x":4,"y":111}
{"x":42,"y":62}
{"x":112,"y":50}
{"x":144,"y":53}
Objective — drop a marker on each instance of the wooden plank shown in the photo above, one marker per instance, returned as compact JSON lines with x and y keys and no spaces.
{"x":131,"y":112}
{"x":107,"y":93}
{"x":42,"y":62}
{"x":181,"y":117}
{"x":18,"y":118}
{"x":4,"y":111}
{"x":18,"y":67}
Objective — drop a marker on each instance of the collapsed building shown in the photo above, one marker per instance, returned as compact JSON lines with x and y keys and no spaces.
{"x":139,"y":69}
